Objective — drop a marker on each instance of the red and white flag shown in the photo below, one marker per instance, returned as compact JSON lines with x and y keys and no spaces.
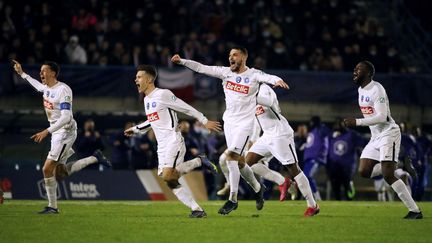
{"x":179,"y":81}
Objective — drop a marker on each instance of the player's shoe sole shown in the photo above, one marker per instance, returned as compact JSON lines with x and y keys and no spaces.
{"x":102,"y":159}
{"x":206,"y":163}
{"x":228,"y":207}
{"x":414,"y":215}
{"x":49,"y":210}
{"x":198,"y":214}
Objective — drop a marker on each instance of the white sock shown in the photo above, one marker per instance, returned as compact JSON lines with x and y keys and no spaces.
{"x":189,"y":165}
{"x":186,"y":198}
{"x":376,"y":171}
{"x":78,"y":165}
{"x":51,"y":190}
{"x":224,"y":167}
{"x":400,"y":188}
{"x":234,"y":179}
{"x":268,"y":174}
{"x":248,"y":175}
{"x":304,"y":187}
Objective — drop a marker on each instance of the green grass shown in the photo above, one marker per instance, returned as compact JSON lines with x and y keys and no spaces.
{"x":134,"y":221}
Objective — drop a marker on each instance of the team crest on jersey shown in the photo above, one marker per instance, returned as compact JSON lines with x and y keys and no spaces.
{"x":52,"y":95}
{"x":173,"y":98}
{"x":367,"y":99}
{"x":381,"y":99}
{"x":246,"y":80}
{"x":259,"y":110}
{"x":238,"y":79}
{"x":48,"y":105}
{"x":154,"y":104}
{"x":148,"y":106}
{"x":47,"y":93}
{"x":153,"y":117}
{"x":362,"y":98}
{"x":237,"y":87}
{"x":67,"y":98}
{"x":340,"y":147}
{"x":367,"y":110}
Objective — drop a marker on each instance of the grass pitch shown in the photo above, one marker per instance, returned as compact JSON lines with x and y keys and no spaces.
{"x":135,"y":221}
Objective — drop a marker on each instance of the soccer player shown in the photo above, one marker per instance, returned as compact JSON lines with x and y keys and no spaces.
{"x":57,"y":100}
{"x":381,"y":153}
{"x":240,"y":84}
{"x":161,"y":107}
{"x":278,"y":140}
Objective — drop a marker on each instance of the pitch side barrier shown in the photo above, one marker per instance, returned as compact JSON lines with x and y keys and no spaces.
{"x":99,"y":185}
{"x":117,"y":81}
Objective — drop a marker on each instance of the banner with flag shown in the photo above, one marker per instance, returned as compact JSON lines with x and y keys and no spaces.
{"x":179,"y":81}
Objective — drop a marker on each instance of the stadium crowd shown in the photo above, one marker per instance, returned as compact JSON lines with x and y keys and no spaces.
{"x":297,"y":35}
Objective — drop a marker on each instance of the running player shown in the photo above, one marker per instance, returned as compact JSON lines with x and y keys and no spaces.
{"x":381,"y":153}
{"x":57,"y":100}
{"x":161,"y":106}
{"x":278,"y":140}
{"x":240,"y":84}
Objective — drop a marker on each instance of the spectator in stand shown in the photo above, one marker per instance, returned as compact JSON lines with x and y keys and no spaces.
{"x":120,"y":157}
{"x":75,"y":53}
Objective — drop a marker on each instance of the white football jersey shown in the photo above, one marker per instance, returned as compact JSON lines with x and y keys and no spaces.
{"x":375,"y":107}
{"x":160,"y":107}
{"x":55,"y":99}
{"x":268,"y":114}
{"x":240,"y":89}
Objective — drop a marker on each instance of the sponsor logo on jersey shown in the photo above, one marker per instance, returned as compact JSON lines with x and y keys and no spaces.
{"x":381,"y":100}
{"x":154,"y":104}
{"x":367,"y":110}
{"x":153,"y":117}
{"x":259,"y":110}
{"x":238,"y":79}
{"x":237,"y":87}
{"x":48,"y":105}
{"x":67,"y":98}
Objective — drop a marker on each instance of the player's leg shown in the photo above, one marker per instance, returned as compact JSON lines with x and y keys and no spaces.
{"x":249,"y":176}
{"x":50,"y":187}
{"x":288,"y":158}
{"x":388,"y":154}
{"x":369,"y":166}
{"x":224,"y":168}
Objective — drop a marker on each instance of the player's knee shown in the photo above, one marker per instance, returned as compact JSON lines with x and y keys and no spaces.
{"x":389,"y":177}
{"x":364,"y":172}
{"x":48,"y":171}
{"x":172,"y":183}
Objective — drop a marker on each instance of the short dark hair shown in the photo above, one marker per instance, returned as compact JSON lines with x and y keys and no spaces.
{"x":370,"y":67}
{"x":241,"y":49}
{"x":53,"y":66}
{"x":151,"y":70}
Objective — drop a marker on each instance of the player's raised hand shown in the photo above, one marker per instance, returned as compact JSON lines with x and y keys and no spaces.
{"x":349,"y":122}
{"x":213,"y":125}
{"x":129,"y":132}
{"x":282,"y":84}
{"x":17,"y":67}
{"x":38,"y":137}
{"x":176,"y":59}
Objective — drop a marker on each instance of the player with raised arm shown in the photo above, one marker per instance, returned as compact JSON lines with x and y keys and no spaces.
{"x":278,"y":140}
{"x":57,"y":100}
{"x":240,"y":84}
{"x":381,"y":153}
{"x":161,"y":107}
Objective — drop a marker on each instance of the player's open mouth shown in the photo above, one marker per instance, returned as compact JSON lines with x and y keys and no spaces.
{"x":138,"y":85}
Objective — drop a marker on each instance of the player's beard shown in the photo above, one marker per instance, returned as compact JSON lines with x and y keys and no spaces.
{"x":235,"y":67}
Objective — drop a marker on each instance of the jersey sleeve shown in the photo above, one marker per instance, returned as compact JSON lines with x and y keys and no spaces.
{"x":380,"y":110}
{"x":142,"y":128}
{"x":263,"y":77}
{"x":66,"y":99}
{"x":171,"y":101}
{"x":214,"y":71}
{"x":65,"y":110}
{"x":33,"y":82}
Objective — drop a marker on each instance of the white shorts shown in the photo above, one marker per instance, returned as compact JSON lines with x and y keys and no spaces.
{"x":172,"y":153}
{"x":61,"y":146}
{"x":237,"y":137}
{"x":282,"y":148}
{"x":385,"y":148}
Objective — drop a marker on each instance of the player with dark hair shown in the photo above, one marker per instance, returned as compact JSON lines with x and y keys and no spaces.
{"x":57,"y":100}
{"x":381,"y":153}
{"x":161,"y":107}
{"x":240,"y":84}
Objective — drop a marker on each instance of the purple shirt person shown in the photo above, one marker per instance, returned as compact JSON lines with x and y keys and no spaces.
{"x":315,"y":153}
